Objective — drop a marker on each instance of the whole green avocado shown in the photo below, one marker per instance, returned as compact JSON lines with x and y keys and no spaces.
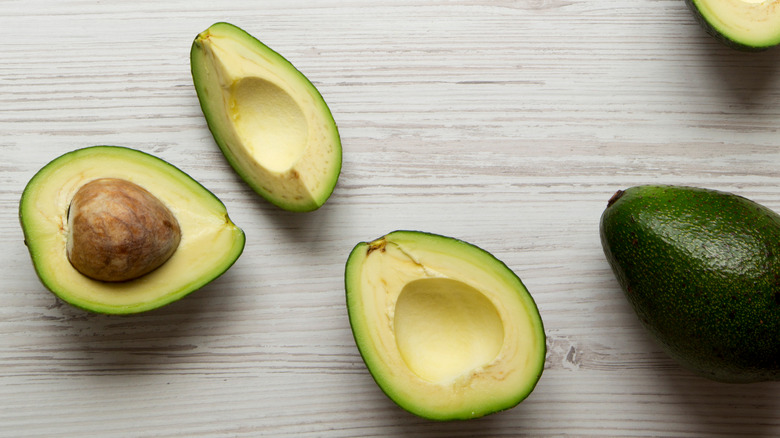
{"x":701,"y":268}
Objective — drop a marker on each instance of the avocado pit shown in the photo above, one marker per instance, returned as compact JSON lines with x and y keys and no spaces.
{"x":118,"y":231}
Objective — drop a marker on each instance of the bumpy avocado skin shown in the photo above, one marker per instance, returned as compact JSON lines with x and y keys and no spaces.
{"x":701,"y":268}
{"x":715,"y":33}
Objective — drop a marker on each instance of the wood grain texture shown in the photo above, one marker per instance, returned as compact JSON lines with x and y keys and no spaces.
{"x":505,"y":123}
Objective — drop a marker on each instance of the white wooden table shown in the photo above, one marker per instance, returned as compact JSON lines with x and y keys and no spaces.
{"x":506,"y":123}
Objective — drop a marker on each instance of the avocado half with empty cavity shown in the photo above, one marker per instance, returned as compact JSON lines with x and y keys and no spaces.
{"x":748,"y":25}
{"x":269,"y":120}
{"x":447,"y":331}
{"x":115,"y":230}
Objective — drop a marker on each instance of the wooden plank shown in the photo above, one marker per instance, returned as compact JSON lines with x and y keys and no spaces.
{"x":505,"y":123}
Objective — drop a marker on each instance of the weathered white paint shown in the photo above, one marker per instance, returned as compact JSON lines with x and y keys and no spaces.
{"x":508,"y":124}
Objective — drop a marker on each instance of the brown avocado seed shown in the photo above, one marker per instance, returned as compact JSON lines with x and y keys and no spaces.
{"x":118,"y":231}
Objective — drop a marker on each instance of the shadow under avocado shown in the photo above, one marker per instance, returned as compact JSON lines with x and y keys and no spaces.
{"x":136,"y":344}
{"x":397,"y":422}
{"x":298,"y":228}
{"x":712,"y":408}
{"x":747,"y":76}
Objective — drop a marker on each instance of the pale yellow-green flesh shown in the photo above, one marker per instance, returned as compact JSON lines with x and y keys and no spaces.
{"x":210,"y":242}
{"x":272,"y":124}
{"x":752,"y":22}
{"x":445,"y":328}
{"x":269,"y":123}
{"x":445,"y":336}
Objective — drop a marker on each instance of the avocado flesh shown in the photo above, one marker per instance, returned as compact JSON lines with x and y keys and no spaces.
{"x":210,"y":243}
{"x":700,"y":268}
{"x":446,"y":330}
{"x":269,"y":121}
{"x":749,"y":25}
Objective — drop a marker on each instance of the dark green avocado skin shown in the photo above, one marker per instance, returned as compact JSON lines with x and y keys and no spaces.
{"x":715,"y":33}
{"x":701,"y":268}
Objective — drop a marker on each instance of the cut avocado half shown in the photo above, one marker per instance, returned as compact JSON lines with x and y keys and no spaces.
{"x":208,"y":242}
{"x":749,"y":25}
{"x":270,"y":122}
{"x":446,"y":330}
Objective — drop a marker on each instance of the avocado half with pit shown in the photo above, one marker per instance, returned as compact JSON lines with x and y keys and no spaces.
{"x":447,"y":331}
{"x":749,"y":25}
{"x":269,"y":120}
{"x":115,"y":230}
